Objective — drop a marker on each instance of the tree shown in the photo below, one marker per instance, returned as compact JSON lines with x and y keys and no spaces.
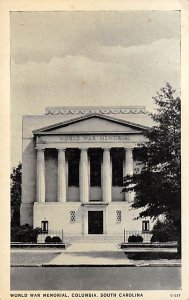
{"x":16,"y":187}
{"x":158,"y":185}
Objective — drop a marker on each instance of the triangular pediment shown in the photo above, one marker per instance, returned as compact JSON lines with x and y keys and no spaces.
{"x":92,"y":123}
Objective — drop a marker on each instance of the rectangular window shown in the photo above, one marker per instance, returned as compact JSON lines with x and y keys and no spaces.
{"x":72,"y":216}
{"x":117,"y":170}
{"x":118,"y":216}
{"x":145,"y":226}
{"x":73,"y":169}
{"x":44,"y":226}
{"x":95,"y":169}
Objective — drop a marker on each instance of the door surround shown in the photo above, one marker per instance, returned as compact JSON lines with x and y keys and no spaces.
{"x":94,"y":207}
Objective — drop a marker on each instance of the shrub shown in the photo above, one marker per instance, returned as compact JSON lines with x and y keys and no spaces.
{"x":48,"y":239}
{"x":24,"y":234}
{"x":135,"y":239}
{"x":56,"y":239}
{"x":164,"y":232}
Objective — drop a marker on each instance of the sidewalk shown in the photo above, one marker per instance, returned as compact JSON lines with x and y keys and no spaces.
{"x":97,"y":254}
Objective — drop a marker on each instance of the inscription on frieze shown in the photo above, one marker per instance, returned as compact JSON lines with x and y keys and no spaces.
{"x":94,"y":138}
{"x":83,"y":138}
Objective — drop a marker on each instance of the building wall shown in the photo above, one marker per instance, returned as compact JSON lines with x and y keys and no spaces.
{"x":28,"y":181}
{"x":58,"y":216}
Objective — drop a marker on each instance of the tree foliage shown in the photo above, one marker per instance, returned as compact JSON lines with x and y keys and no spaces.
{"x":164,"y":231}
{"x":16,"y":185}
{"x":24,"y":234}
{"x":158,"y":185}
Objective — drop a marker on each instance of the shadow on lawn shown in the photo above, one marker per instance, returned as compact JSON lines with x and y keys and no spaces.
{"x":150,"y":256}
{"x":99,"y":254}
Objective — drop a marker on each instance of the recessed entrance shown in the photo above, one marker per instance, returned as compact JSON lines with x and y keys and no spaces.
{"x":95,"y":222}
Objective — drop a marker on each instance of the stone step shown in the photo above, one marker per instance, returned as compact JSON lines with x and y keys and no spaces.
{"x":93,"y":238}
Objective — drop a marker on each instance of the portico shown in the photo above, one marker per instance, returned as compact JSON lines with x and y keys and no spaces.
{"x":84,"y":174}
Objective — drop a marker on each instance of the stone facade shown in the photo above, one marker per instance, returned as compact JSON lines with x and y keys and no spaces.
{"x":72,"y":160}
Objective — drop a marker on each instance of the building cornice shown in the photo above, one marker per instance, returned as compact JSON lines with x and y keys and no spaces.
{"x":104,"y":110}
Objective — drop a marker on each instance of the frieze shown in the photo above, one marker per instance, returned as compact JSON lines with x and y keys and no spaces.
{"x":83,"y":138}
{"x":103,"y":111}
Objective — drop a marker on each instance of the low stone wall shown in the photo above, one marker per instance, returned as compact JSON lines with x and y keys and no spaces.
{"x":38,"y":245}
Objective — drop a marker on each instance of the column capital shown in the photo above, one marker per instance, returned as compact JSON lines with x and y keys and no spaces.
{"x":61,"y":149}
{"x":40,"y":149}
{"x":128,"y":148}
{"x":107,"y":149}
{"x":84,"y":149}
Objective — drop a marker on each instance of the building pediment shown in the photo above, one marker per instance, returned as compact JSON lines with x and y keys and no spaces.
{"x":92,"y":123}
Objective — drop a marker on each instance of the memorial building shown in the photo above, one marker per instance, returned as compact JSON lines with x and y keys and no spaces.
{"x":74,"y":160}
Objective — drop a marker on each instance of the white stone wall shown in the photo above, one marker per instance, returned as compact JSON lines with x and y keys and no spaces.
{"x":58,"y":216}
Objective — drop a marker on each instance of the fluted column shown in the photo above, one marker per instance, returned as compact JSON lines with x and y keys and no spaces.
{"x":61,"y":175}
{"x":40,"y":175}
{"x":84,"y":176}
{"x":106,"y":170}
{"x":128,"y":170}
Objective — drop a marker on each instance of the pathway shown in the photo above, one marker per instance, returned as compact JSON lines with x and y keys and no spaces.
{"x":97,"y":254}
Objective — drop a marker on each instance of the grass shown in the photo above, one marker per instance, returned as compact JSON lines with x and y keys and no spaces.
{"x":31,"y":258}
{"x":152,"y":256}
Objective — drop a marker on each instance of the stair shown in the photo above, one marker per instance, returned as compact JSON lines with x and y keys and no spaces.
{"x":93,"y":238}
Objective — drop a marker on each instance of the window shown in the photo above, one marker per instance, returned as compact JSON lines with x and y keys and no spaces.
{"x":95,"y":169}
{"x":118,"y":216}
{"x":72,"y":216}
{"x":117,"y":170}
{"x":145,"y":226}
{"x":44,"y":226}
{"x":73,"y":169}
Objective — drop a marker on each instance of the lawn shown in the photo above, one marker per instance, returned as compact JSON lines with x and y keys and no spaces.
{"x":31,"y":258}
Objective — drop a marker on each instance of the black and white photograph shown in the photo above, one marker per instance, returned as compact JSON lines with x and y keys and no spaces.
{"x":95,"y":151}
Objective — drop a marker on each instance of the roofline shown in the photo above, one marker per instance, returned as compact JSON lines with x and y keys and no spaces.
{"x":88,"y":116}
{"x":96,"y":107}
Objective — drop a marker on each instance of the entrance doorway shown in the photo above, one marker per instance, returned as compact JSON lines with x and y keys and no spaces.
{"x":95,"y":222}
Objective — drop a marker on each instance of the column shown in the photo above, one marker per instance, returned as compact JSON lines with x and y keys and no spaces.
{"x":84,"y":176}
{"x":40,"y":175}
{"x":128,"y":170}
{"x":61,"y":175}
{"x":106,"y":171}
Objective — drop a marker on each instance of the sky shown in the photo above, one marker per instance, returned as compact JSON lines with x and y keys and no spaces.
{"x":89,"y":58}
